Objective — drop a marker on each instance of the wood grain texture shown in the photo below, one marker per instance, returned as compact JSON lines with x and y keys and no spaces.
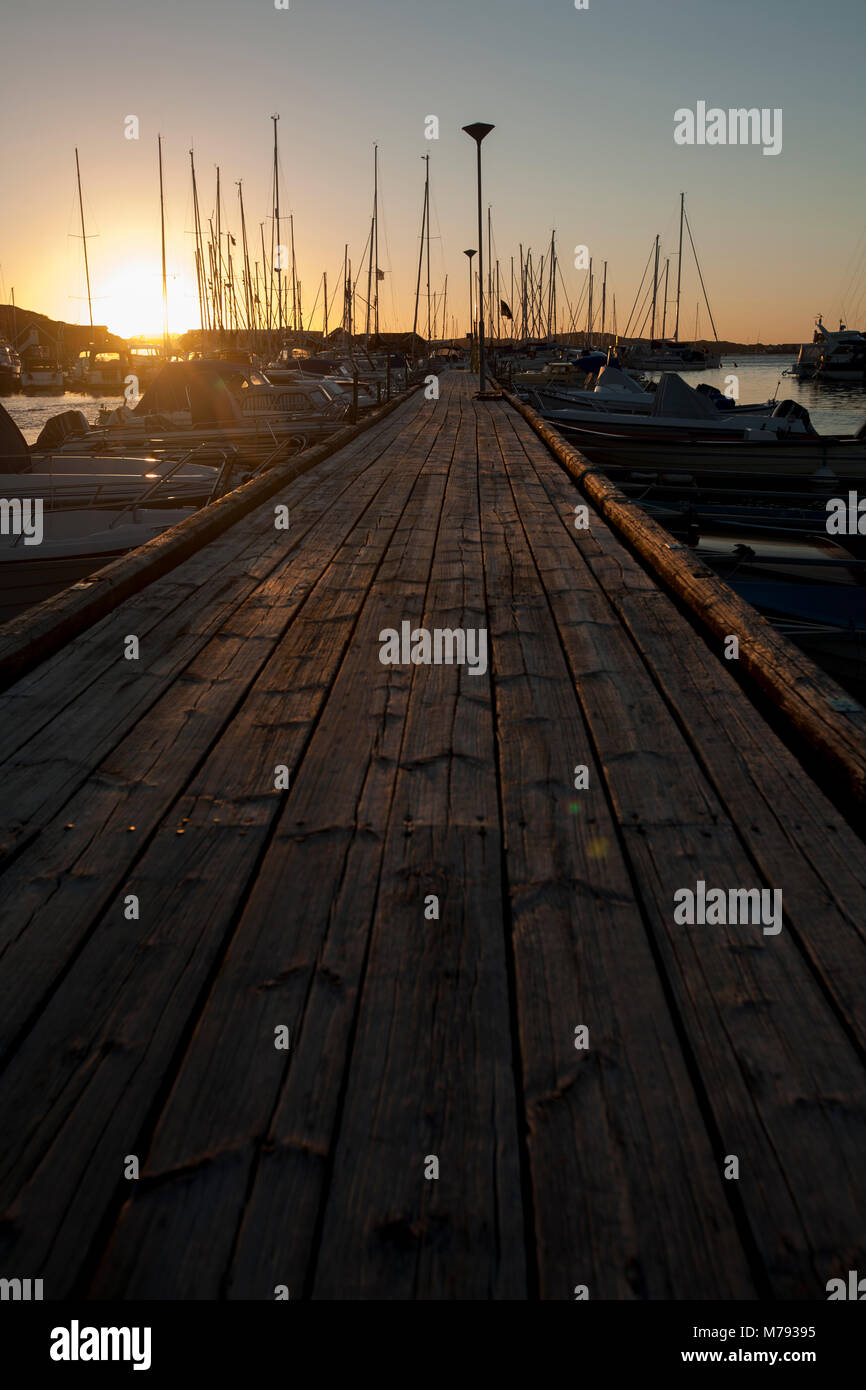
{"x":812,"y":703}
{"x":304,"y":907}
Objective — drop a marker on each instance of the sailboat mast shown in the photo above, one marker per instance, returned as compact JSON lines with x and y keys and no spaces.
{"x":218,"y":258}
{"x":589,"y":309}
{"x":248,"y":289}
{"x":551,"y":287}
{"x":230,"y":270}
{"x":376,"y":238}
{"x":162,"y":233}
{"x":275,"y":233}
{"x":84,"y":239}
{"x":427,"y":201}
{"x":665,"y":300}
{"x":213,"y":275}
{"x":297,"y":317}
{"x":603,"y":300}
{"x":369,"y":283}
{"x":679,"y":268}
{"x":489,"y":272}
{"x":267,"y":284}
{"x":345,"y":285}
{"x":545,"y":308}
{"x":655,"y":292}
{"x":421,"y":245}
{"x":522,"y":279}
{"x":201,"y":275}
{"x":372,"y":246}
{"x":701,"y":278}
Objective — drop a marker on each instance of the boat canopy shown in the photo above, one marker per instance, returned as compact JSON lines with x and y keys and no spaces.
{"x":208,"y":388}
{"x":676,"y":398}
{"x":612,"y":378}
{"x":13,"y":446}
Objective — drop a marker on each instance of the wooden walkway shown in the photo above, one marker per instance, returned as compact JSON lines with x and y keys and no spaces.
{"x":166,"y":909}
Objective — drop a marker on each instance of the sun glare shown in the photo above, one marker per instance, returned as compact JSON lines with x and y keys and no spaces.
{"x":132,"y":304}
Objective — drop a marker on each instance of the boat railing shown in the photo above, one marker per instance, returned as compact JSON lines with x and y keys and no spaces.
{"x":149,"y":493}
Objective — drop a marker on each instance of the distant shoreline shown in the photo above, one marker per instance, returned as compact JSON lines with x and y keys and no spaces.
{"x":73,"y":338}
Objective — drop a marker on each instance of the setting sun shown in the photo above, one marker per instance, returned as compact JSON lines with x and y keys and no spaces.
{"x":131,"y":304}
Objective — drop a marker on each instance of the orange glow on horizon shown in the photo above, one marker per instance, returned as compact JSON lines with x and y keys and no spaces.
{"x":131,"y":304}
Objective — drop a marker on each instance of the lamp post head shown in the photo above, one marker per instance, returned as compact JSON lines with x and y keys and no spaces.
{"x":478,"y":130}
{"x":470,"y":254}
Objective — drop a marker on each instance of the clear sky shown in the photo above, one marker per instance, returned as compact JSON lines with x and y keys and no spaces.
{"x":583,"y":103}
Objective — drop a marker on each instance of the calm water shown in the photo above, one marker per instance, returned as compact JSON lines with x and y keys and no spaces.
{"x":834,"y":408}
{"x":30,"y":413}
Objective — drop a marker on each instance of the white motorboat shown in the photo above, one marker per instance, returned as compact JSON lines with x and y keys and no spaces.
{"x":10,"y":368}
{"x":612,"y":389}
{"x":103,"y":479}
{"x":64,"y":516}
{"x":832,"y":356}
{"x":39,"y":372}
{"x":75,"y":542}
{"x":100,"y":370}
{"x":674,"y":405}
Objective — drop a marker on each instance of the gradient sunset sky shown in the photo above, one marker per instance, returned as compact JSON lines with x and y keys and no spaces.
{"x":583,"y":103}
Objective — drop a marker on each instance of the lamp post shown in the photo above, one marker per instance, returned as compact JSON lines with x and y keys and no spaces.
{"x":469,"y":255}
{"x":477,"y":132}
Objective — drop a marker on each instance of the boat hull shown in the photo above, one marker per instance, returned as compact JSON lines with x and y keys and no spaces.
{"x":799,"y":456}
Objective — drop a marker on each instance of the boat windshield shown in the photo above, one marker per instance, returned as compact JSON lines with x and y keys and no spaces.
{"x":238,"y":382}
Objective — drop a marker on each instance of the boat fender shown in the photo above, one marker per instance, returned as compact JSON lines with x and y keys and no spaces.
{"x":121,"y":418}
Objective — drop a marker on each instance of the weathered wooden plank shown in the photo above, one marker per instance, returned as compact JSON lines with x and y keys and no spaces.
{"x":83,"y":732}
{"x":812,"y":704}
{"x":294,"y":957}
{"x":53,"y":893}
{"x":112,"y":1028}
{"x":627,"y":1190}
{"x":262,"y":908}
{"x":37,"y":698}
{"x":433,"y":1052}
{"x":779,"y":1073}
{"x":792,"y":830}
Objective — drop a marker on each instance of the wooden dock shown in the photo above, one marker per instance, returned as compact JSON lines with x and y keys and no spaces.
{"x":435,"y":908}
